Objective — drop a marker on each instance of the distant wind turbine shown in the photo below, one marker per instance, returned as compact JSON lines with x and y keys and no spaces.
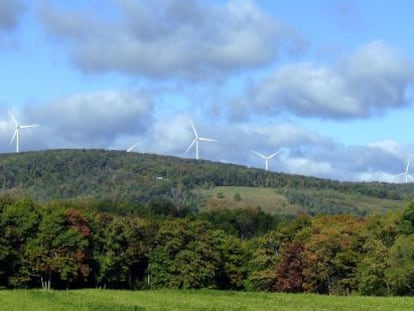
{"x":405,"y":173}
{"x":17,"y":129}
{"x":132,"y":147}
{"x":266,"y":158}
{"x":196,"y":140}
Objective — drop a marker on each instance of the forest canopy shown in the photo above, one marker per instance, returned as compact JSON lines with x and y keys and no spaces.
{"x":64,"y":244}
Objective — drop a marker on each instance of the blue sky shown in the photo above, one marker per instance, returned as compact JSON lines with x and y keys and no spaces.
{"x":330,"y":82}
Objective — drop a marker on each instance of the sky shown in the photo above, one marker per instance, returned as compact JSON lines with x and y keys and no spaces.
{"x":330,"y":83}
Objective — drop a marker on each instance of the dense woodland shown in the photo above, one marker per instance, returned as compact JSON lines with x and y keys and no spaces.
{"x":74,"y":245}
{"x":76,"y":219}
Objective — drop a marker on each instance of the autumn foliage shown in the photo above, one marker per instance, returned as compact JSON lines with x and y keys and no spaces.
{"x":75,"y":245}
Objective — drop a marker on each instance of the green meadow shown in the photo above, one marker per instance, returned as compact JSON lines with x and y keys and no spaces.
{"x":275,"y":201}
{"x":111,"y":300}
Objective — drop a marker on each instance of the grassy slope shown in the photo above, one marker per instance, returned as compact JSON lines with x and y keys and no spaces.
{"x":101,"y":300}
{"x":271,"y":201}
{"x":268,"y":199}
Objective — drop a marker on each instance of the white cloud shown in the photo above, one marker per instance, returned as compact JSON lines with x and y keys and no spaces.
{"x":388,"y":145}
{"x":288,"y":134}
{"x":309,"y":167}
{"x":173,"y":38}
{"x":170,"y":136}
{"x":368,"y":82}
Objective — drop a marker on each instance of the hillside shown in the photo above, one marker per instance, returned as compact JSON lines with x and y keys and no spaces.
{"x":143,"y":178}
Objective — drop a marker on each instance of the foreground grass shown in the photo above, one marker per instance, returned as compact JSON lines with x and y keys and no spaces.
{"x":110,"y":300}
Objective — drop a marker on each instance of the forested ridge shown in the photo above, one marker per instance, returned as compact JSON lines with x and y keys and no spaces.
{"x":119,"y":176}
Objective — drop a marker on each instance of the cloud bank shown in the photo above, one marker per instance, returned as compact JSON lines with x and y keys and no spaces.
{"x":10,"y":14}
{"x":85,"y":120}
{"x":372,"y":80}
{"x":88,"y":121}
{"x":10,"y":11}
{"x":173,"y":38}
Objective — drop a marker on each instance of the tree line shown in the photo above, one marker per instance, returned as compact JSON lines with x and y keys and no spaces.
{"x":78,"y":244}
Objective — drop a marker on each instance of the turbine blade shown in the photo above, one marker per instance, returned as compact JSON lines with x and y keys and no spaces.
{"x":132,"y":147}
{"x":194,"y":129}
{"x":13,"y":118}
{"x":411,"y":177}
{"x":14,"y":136}
{"x":191,"y":145}
{"x":398,"y":175}
{"x":206,"y":139}
{"x":273,"y":154}
{"x":259,"y":154}
{"x":28,"y":126}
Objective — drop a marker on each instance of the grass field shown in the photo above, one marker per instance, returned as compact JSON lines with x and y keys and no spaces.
{"x":275,"y":203}
{"x":268,"y":199}
{"x":110,"y":300}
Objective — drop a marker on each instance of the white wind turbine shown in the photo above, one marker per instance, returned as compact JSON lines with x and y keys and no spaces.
{"x":266,"y":158}
{"x":17,"y":129}
{"x":132,"y":147}
{"x":405,"y":173}
{"x":196,"y":140}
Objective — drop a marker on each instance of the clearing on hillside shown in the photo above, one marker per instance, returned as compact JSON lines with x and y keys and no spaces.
{"x":291,"y":202}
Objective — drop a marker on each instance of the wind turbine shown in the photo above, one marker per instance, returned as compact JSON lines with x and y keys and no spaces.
{"x":132,"y":147}
{"x":405,"y":173}
{"x":17,"y":129}
{"x":196,"y":140}
{"x":266,"y":158}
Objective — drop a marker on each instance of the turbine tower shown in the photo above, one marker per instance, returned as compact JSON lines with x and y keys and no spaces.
{"x":406,"y":173}
{"x":17,"y":129}
{"x":266,"y":158}
{"x":196,"y":140}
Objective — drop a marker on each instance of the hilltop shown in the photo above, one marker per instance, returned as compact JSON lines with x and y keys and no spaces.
{"x":143,"y":178}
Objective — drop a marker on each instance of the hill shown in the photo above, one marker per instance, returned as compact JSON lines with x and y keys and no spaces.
{"x":144,"y":178}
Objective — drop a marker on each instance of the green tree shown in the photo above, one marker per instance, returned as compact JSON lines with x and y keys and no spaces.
{"x":185,"y":257}
{"x":331,"y":255}
{"x":371,"y":270}
{"x":192,"y":254}
{"x":262,"y":263}
{"x":399,"y":272}
{"x":18,"y":223}
{"x":123,"y":252}
{"x":60,"y":251}
{"x":380,"y":233}
{"x":407,"y":219}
